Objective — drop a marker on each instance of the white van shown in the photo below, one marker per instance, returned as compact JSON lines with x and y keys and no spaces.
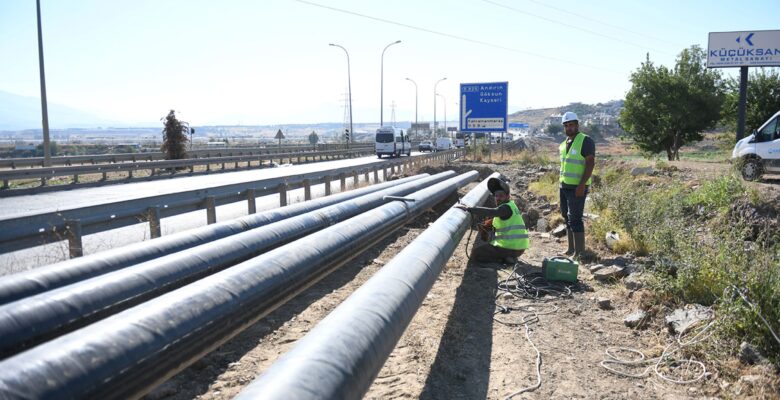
{"x":392,"y":142}
{"x":443,"y":143}
{"x":760,"y":152}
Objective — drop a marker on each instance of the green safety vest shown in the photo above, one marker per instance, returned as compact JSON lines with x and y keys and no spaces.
{"x":511,"y":233}
{"x":573,"y":163}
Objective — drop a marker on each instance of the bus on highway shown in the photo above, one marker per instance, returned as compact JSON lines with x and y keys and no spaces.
{"x":392,"y":142}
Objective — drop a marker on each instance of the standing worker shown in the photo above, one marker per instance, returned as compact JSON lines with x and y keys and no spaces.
{"x":578,"y":154}
{"x":511,"y":236}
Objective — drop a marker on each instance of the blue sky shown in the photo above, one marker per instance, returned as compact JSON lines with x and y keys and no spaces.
{"x":267,"y":62}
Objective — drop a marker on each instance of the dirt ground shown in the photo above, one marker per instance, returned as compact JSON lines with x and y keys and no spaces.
{"x":461,"y":346}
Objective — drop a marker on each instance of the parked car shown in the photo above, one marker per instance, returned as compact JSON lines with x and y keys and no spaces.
{"x":425,"y":146}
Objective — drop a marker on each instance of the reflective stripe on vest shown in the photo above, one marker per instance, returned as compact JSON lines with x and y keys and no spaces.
{"x":511,"y":233}
{"x":572,"y":162}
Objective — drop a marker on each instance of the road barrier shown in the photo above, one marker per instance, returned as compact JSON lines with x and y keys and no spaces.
{"x":343,"y":354}
{"x":158,"y":169}
{"x":71,"y":224}
{"x":128,"y":354}
{"x":32,"y":162}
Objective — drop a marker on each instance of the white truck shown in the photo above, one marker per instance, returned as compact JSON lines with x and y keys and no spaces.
{"x":759,"y":153}
{"x":392,"y":142}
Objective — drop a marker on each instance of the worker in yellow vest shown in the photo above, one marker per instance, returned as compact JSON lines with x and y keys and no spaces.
{"x":578,"y":154}
{"x":510,"y":236}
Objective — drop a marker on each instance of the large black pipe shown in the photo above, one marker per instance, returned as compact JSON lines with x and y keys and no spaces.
{"x":127,"y":354}
{"x":28,"y":283}
{"x":342,"y":355}
{"x":32,"y":320}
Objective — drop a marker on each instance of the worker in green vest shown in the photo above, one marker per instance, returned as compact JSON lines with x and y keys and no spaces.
{"x":510,"y":236}
{"x":578,"y":154}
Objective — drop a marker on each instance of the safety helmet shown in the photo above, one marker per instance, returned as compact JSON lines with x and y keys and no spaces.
{"x":568,"y":116}
{"x":495,"y":184}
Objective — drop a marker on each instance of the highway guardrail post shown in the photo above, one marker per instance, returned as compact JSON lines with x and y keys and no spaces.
{"x":343,"y":180}
{"x":282,"y":194}
{"x":250,"y":198}
{"x":211,"y":210}
{"x":326,"y":178}
{"x":153,"y":216}
{"x":306,"y":189}
{"x":73,"y":233}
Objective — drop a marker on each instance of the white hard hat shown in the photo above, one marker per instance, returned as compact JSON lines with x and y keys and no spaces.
{"x":569,"y":116}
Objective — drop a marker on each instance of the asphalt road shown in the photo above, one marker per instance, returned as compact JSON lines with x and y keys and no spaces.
{"x":67,"y":199}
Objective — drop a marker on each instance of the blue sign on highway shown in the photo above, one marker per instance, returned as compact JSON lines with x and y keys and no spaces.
{"x":483,"y":107}
{"x":518,"y":125}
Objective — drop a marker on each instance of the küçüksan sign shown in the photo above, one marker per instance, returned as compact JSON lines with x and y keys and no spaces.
{"x":743,"y":49}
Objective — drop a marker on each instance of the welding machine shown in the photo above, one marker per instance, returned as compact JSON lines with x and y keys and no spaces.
{"x":560,"y":269}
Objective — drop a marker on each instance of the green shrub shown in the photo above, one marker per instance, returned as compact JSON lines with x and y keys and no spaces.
{"x":547,"y":186}
{"x":699,"y":257}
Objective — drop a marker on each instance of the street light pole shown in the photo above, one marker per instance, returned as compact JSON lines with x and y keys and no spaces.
{"x":349,"y":86}
{"x":415,"y":107}
{"x":434,"y":106}
{"x":382,"y":85}
{"x":44,"y":109}
{"x":445,"y":114}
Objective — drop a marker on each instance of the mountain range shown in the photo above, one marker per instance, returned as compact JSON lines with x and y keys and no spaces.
{"x":23,"y":112}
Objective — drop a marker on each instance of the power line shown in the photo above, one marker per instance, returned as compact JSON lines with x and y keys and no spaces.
{"x":451,"y":36}
{"x":574,"y":27}
{"x":602,"y":22}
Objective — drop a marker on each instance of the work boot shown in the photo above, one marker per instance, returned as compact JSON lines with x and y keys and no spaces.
{"x":579,"y":244}
{"x":570,"y":236}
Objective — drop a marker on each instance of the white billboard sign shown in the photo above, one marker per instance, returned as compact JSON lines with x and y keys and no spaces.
{"x":743,"y":49}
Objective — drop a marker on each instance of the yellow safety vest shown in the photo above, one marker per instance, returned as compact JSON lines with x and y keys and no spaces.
{"x":511,"y":233}
{"x":573,"y":163}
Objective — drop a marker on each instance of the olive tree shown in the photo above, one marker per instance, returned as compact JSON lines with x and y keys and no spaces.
{"x":668,"y":108}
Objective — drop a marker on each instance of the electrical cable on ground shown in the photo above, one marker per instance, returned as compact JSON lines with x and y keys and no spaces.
{"x":535,"y":288}
{"x":665,"y":358}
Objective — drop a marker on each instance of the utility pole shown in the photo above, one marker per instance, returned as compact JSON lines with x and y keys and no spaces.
{"x":44,"y":109}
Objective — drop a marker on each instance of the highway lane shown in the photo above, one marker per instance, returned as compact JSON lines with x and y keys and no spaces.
{"x":54,"y":201}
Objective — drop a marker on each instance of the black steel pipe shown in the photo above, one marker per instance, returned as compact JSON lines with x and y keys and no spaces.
{"x":342,"y":355}
{"x":32,"y":320}
{"x":28,"y":283}
{"x":126,"y":355}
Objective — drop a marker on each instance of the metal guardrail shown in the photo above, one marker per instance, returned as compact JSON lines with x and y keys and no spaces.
{"x":13,"y":163}
{"x":39,"y":229}
{"x":46,"y":173}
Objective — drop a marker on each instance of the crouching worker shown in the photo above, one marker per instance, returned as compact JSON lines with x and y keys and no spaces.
{"x":510,"y":236}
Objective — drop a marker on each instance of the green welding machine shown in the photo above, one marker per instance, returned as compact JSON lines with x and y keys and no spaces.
{"x":560,"y":269}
